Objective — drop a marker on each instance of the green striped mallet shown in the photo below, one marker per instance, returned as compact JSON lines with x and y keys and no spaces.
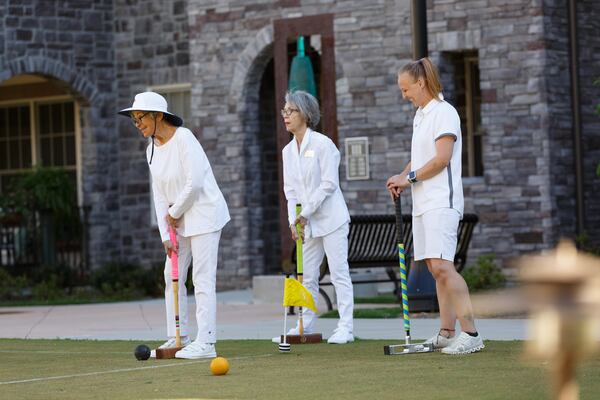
{"x":407,"y":347}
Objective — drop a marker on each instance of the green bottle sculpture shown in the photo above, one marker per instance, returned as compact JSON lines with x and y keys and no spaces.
{"x":302,"y":76}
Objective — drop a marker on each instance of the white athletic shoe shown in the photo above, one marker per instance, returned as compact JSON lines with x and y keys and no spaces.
{"x":197,"y":350}
{"x":293,"y":331}
{"x":340,"y":336}
{"x":464,"y":344}
{"x":439,"y":341}
{"x":169,"y":344}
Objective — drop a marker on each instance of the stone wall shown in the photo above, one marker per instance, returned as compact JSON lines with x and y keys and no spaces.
{"x":589,"y":71}
{"x":107,"y":51}
{"x":152,"y":49}
{"x":230,"y":48}
{"x":72,"y":43}
{"x":517,"y":209}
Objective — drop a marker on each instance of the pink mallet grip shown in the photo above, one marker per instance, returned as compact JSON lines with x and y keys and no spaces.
{"x":174,"y":258}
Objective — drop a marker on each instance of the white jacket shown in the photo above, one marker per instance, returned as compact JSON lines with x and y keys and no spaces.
{"x":182,"y":177}
{"x":311,"y":178}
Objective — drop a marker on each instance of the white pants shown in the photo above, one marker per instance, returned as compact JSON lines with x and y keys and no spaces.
{"x":203,"y":251}
{"x":335,"y":246}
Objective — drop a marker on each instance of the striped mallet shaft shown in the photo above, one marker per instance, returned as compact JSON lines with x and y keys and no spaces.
{"x":404,"y":286}
{"x":402,"y":260}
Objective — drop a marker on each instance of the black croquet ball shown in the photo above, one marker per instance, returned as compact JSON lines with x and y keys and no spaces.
{"x":142,"y":352}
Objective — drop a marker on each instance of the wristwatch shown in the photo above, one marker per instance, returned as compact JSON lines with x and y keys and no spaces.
{"x":412,"y":177}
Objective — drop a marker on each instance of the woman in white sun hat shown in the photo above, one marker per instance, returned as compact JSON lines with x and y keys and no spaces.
{"x":186,"y":197}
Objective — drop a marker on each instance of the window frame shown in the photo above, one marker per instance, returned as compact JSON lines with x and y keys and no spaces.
{"x":34,"y":136}
{"x":469,"y":61}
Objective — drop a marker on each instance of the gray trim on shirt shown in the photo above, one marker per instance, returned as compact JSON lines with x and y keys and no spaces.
{"x":447,"y":134}
{"x":450,"y":185}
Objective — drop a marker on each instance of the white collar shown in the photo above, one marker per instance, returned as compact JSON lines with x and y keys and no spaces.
{"x":431,"y":105}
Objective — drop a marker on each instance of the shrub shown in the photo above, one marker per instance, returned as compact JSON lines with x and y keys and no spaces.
{"x":127,"y":280}
{"x":11,"y":287}
{"x":485,"y":274}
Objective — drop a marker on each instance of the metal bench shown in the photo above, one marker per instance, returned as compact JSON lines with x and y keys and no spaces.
{"x":372,"y":244}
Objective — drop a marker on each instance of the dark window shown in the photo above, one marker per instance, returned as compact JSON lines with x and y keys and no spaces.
{"x":460,"y":76}
{"x":54,"y":143}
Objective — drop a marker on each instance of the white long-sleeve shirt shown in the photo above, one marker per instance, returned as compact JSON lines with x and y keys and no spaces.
{"x":183,"y":179}
{"x":311,"y":178}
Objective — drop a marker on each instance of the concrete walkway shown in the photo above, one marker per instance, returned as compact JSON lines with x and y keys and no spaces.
{"x":237,"y":318}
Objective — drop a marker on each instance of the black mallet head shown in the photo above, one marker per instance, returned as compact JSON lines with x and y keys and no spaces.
{"x":142,"y":352}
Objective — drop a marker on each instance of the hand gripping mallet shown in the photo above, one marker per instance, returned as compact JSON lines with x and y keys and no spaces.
{"x":170,"y":352}
{"x":408,"y":347}
{"x":310,"y":337}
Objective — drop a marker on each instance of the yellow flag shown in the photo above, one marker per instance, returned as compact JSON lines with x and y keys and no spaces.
{"x":294,"y":294}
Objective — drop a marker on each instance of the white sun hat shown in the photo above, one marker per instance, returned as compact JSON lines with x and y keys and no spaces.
{"x":151,"y":101}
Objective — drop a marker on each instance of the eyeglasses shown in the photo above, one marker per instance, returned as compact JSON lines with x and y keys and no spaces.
{"x":286,"y":112}
{"x":137,"y":121}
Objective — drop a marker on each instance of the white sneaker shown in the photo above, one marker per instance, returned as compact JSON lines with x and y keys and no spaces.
{"x":169,"y":344}
{"x":464,"y":344}
{"x":439,"y":341}
{"x":197,"y":350}
{"x":293,"y":331}
{"x":340,"y":336}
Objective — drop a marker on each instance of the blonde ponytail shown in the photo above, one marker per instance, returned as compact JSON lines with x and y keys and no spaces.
{"x":424,"y":69}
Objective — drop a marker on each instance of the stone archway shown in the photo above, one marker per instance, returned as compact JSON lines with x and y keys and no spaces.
{"x":252,"y":89}
{"x":72,"y":81}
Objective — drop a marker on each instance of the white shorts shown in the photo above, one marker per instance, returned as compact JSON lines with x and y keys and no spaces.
{"x":435,"y":234}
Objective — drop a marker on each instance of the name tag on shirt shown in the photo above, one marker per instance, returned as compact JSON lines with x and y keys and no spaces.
{"x":309,"y":153}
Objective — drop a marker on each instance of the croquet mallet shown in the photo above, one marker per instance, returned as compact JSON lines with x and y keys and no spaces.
{"x":302,"y":337}
{"x":170,"y":352}
{"x":407,"y":347}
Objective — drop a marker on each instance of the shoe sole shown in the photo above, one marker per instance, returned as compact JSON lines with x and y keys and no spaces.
{"x":349,"y":341}
{"x":472,"y":350}
{"x":212,"y":355}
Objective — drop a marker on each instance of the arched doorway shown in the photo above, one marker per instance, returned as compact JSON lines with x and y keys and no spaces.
{"x":262,"y":159}
{"x":267,"y":138}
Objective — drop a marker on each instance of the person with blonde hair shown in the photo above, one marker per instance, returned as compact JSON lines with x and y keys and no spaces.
{"x":434,"y":176}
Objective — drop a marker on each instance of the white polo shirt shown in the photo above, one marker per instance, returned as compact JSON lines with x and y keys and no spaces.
{"x":444,"y":190}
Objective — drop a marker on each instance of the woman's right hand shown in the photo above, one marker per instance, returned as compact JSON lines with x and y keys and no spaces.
{"x":169,"y":248}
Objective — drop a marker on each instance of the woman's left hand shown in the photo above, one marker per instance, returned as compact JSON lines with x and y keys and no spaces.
{"x":172,"y":221}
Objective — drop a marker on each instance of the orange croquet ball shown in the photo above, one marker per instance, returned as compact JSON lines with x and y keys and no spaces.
{"x":219,"y":366}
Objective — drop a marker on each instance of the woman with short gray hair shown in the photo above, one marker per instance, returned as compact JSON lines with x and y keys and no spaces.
{"x":311,"y":178}
{"x":307,"y":105}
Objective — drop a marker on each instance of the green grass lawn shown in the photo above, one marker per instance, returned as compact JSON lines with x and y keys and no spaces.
{"x":63,"y":369}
